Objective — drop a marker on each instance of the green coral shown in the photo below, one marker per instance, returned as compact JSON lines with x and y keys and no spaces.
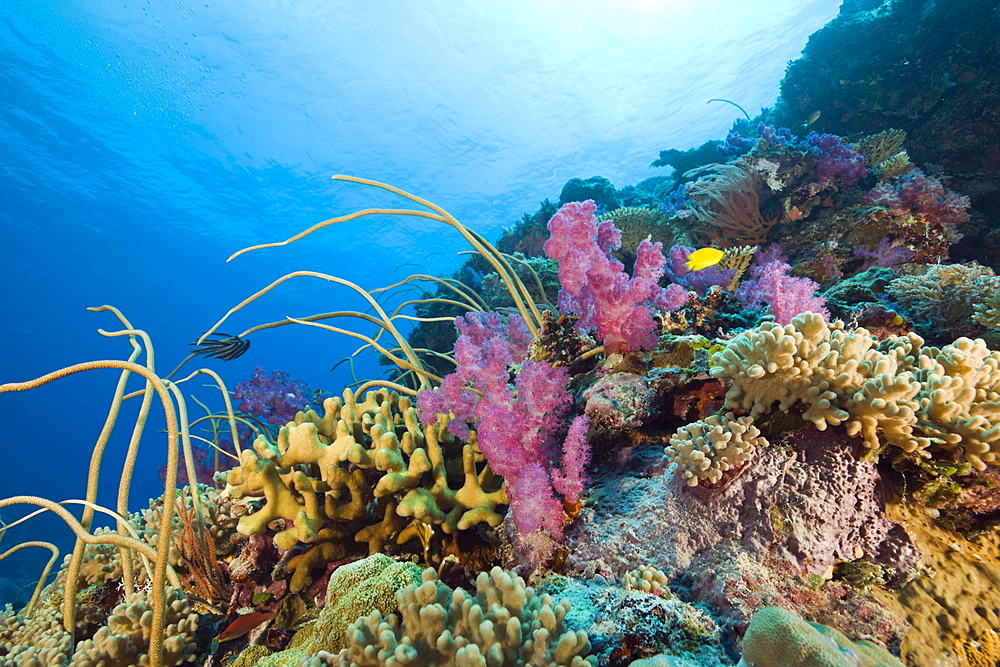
{"x":779,"y":638}
{"x":598,"y":188}
{"x":947,"y":298}
{"x":354,"y":591}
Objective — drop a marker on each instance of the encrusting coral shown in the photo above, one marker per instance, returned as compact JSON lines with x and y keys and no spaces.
{"x":777,"y":637}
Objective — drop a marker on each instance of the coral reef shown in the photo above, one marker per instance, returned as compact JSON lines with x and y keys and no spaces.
{"x":312,"y":478}
{"x":573,"y":409}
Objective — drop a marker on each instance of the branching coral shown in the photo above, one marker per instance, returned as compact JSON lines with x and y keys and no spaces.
{"x":595,"y":286}
{"x":706,"y":449}
{"x":947,"y":300}
{"x":896,"y":392}
{"x":314,"y":477}
{"x":504,"y":623}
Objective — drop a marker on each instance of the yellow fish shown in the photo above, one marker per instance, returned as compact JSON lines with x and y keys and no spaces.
{"x":703,"y":258}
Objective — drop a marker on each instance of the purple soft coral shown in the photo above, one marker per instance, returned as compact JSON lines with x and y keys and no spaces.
{"x":595,"y":285}
{"x":836,"y":162}
{"x":274,"y":397}
{"x":923,"y":197}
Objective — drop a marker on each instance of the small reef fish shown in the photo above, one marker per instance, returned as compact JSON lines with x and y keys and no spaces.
{"x":703,"y":258}
{"x":244,"y":624}
{"x":813,"y":117}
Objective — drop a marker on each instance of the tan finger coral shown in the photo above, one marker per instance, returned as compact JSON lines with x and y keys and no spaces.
{"x":892,"y":392}
{"x":646,"y":579}
{"x":124,"y":640}
{"x":504,"y":623}
{"x":705,"y":449}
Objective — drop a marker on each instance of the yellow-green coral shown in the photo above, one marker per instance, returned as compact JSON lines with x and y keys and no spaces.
{"x":314,"y":477}
{"x":779,"y":638}
{"x":646,"y":579}
{"x":354,"y":591}
{"x":124,"y":639}
{"x":945,"y":296}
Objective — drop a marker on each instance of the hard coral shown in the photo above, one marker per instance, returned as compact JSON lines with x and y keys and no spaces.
{"x":504,"y":623}
{"x":934,"y":401}
{"x":706,"y":449}
{"x":777,"y":637}
{"x":947,"y":300}
{"x":322,"y":473}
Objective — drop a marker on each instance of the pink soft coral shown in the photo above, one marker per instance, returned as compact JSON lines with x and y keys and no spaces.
{"x":923,"y":197}
{"x":517,"y":425}
{"x":595,"y":285}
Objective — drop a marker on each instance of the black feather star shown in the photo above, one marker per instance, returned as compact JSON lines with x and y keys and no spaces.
{"x":226,"y":347}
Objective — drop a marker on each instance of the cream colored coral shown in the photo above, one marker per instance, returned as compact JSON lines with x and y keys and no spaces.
{"x":987,"y":311}
{"x":38,"y":640}
{"x":894,"y":392}
{"x":124,"y":640}
{"x":646,"y":579}
{"x":505,"y":623}
{"x":705,"y":449}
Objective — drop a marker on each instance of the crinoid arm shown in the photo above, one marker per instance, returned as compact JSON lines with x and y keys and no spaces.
{"x":223,"y":347}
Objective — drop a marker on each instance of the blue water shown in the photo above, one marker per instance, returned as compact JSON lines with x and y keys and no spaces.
{"x":141,"y":143}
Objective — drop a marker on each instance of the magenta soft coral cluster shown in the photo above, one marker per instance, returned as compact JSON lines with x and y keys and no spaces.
{"x":595,"y":285}
{"x":786,"y":295}
{"x":517,"y":424}
{"x":274,"y":397}
{"x":487,"y":346}
{"x":923,"y":197}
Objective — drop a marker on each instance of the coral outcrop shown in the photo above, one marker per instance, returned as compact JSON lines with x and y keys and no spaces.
{"x":892,"y":392}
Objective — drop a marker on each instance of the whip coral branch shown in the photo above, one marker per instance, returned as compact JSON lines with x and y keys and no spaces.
{"x":163,"y":544}
{"x":45,"y":570}
{"x":528,"y":310}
